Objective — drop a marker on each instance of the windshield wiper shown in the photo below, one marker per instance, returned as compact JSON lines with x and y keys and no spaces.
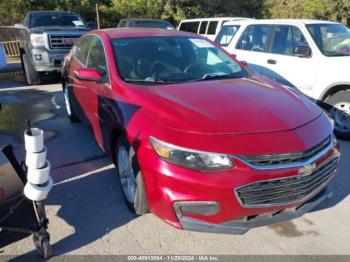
{"x":215,"y":76}
{"x":149,"y":80}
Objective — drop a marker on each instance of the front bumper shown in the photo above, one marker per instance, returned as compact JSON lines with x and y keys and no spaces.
{"x":45,"y":60}
{"x":241,"y":226}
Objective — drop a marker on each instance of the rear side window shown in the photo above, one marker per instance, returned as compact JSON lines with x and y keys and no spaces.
{"x":226,"y":34}
{"x":122,"y":23}
{"x":82,"y":49}
{"x":212,"y":27}
{"x":254,"y":38}
{"x":190,"y":27}
{"x":203,"y":27}
{"x":286,"y":39}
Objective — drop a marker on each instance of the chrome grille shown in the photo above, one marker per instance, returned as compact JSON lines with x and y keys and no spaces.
{"x":62,"y":41}
{"x":286,"y":190}
{"x":283,"y":159}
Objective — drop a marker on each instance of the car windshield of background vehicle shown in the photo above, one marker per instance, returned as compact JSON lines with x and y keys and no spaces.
{"x":55,"y":19}
{"x":226,"y":34}
{"x":170,"y":60}
{"x":331,"y":39}
{"x":154,"y":24}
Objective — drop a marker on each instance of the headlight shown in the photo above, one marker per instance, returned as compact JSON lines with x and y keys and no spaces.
{"x":37,"y":40}
{"x":190,"y":158}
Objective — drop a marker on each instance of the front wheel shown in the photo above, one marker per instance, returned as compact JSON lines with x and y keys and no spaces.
{"x":339,"y":108}
{"x":32,"y":76}
{"x":68,"y":103}
{"x":130,"y":177}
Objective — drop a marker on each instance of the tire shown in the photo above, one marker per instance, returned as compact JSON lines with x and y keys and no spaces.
{"x":135,"y":198}
{"x":339,"y":107}
{"x":32,"y":77}
{"x":42,"y":245}
{"x":68,"y":104}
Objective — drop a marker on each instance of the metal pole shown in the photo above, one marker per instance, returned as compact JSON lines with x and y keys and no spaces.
{"x":97,"y":16}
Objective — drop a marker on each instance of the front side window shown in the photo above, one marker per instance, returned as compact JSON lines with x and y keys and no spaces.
{"x":286,"y":39}
{"x":212,"y":27}
{"x":331,"y":39}
{"x":82,"y":49}
{"x":226,"y":34}
{"x":254,"y":38}
{"x":172,"y":60}
{"x":97,"y":58}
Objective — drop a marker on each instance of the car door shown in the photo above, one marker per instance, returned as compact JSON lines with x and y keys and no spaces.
{"x":291,"y":69}
{"x":79,"y":87}
{"x":97,"y":60}
{"x":252,"y":46}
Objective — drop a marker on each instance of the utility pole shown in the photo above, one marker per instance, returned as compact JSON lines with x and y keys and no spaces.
{"x":97,"y":16}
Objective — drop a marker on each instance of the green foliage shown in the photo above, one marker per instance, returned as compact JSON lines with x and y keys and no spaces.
{"x":12,"y":11}
{"x":335,"y":10}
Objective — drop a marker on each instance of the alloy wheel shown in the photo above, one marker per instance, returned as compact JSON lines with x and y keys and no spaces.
{"x":127,"y":175}
{"x":341,"y":115}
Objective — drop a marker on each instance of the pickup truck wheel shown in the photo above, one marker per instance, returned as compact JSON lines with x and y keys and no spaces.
{"x":340,"y":111}
{"x":130,"y":176}
{"x":32,"y":76}
{"x":69,"y":109}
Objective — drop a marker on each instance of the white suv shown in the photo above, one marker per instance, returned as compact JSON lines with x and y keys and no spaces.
{"x":312,"y":55}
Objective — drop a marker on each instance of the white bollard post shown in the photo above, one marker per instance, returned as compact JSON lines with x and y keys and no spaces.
{"x":39,"y":182}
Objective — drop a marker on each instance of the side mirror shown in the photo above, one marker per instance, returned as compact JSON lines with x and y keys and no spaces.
{"x":91,"y":25}
{"x":18,"y":25}
{"x":244,"y":63}
{"x":302,"y":51}
{"x":88,"y":74}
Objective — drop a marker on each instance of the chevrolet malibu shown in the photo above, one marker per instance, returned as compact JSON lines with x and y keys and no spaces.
{"x":197,"y":139}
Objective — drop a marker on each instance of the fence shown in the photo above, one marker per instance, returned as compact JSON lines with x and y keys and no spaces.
{"x":12,"y":49}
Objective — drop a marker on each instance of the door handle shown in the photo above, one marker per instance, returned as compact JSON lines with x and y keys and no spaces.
{"x":272,"y":61}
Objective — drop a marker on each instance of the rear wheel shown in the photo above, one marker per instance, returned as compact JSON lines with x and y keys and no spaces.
{"x":130,"y":177}
{"x":339,"y":108}
{"x":32,"y":76}
{"x":68,"y":103}
{"x":42,"y":245}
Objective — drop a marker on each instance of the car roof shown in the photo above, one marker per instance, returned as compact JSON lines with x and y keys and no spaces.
{"x":216,"y":18}
{"x":50,"y":12}
{"x":143,"y":19}
{"x":142,"y":32}
{"x":280,"y":21}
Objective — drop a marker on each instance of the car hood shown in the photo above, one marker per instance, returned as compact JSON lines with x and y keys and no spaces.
{"x":234,"y":106}
{"x":43,"y":29}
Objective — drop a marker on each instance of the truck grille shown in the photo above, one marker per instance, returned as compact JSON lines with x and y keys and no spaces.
{"x":287,"y":190}
{"x":283,"y":159}
{"x":62,"y":41}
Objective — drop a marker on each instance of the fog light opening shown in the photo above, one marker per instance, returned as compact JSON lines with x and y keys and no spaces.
{"x":204,"y":208}
{"x":37,"y":57}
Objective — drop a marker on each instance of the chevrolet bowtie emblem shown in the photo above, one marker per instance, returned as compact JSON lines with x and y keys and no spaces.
{"x":307,"y":169}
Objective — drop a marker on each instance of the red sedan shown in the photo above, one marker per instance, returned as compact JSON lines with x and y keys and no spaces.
{"x":197,"y":139}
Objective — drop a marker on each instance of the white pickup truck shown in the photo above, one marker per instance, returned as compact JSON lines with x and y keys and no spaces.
{"x":312,"y":55}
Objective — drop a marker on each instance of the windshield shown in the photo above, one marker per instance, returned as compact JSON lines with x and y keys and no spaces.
{"x":154,"y":24}
{"x":331,"y":39}
{"x":55,"y":19}
{"x":226,"y":34}
{"x":156,"y":60}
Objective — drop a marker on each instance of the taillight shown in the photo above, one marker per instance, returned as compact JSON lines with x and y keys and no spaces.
{"x":2,"y":193}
